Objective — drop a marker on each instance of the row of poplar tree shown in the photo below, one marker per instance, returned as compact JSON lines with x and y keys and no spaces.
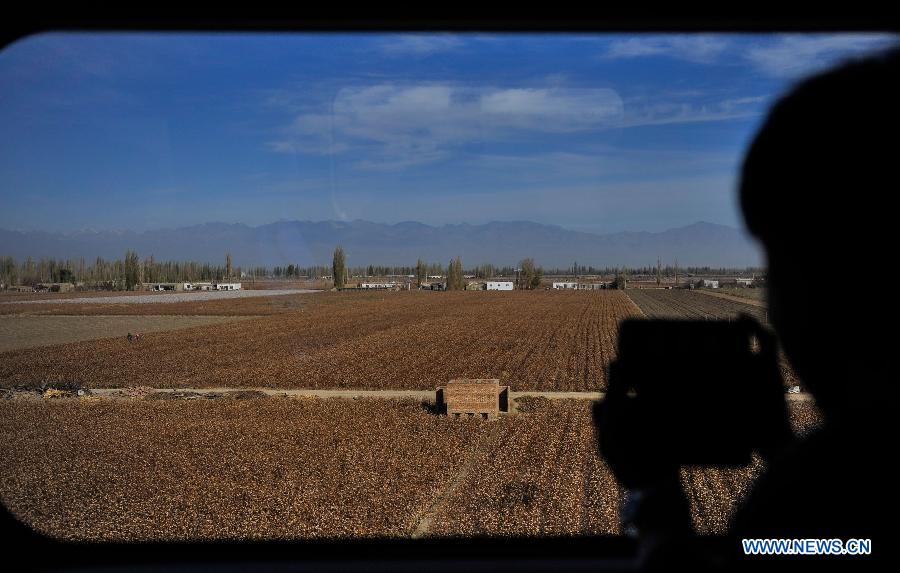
{"x":120,"y":274}
{"x":528,"y":275}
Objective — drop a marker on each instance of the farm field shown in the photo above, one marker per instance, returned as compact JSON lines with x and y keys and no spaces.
{"x":58,"y":304}
{"x":160,"y":298}
{"x":30,"y":331}
{"x":21,"y":297}
{"x":758,"y":294}
{"x":14,"y":296}
{"x":541,"y":474}
{"x":247,"y":466}
{"x":279,"y":284}
{"x":680,"y":303}
{"x":546,"y":340}
{"x":261,"y":303}
{"x":312,"y":468}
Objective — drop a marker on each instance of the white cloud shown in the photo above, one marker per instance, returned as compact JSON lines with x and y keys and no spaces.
{"x":780,"y":56}
{"x":671,"y":112}
{"x":420,"y":45}
{"x":790,"y":56}
{"x":552,"y":109}
{"x":421,"y":123}
{"x":696,"y":48}
{"x":400,"y":126}
{"x":392,"y":126}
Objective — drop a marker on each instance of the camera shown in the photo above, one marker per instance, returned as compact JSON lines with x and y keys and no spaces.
{"x":687,"y":392}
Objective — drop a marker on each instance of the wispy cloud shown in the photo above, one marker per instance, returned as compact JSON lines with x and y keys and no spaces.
{"x":407,"y":125}
{"x":795,"y":55}
{"x":695,"y":48}
{"x":779,"y":56}
{"x":419,"y":45}
{"x":686,"y":111}
{"x":395,"y":127}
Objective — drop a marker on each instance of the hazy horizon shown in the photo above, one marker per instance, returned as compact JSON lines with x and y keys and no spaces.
{"x":738,"y":227}
{"x":313,"y":243}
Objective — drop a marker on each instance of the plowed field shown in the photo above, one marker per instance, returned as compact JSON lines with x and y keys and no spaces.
{"x":312,"y":468}
{"x":406,"y":340}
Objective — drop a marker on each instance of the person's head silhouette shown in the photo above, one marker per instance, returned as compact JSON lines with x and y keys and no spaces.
{"x":817,"y":189}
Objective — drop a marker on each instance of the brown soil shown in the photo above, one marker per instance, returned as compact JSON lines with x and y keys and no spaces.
{"x":31,"y":331}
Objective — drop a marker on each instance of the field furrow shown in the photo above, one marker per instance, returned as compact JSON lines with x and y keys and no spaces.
{"x":407,"y":340}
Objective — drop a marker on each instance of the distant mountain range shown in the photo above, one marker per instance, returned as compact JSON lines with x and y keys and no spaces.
{"x":306,"y":243}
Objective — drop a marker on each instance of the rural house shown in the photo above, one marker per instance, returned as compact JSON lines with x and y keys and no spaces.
{"x":499,"y":285}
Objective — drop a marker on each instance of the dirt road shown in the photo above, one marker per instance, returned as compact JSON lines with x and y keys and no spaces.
{"x":160,"y":298}
{"x":350,"y":394}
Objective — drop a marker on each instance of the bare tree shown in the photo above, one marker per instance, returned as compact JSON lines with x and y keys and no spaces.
{"x":421,"y":272}
{"x":531,"y":275}
{"x":132,"y":270}
{"x":455,"y":275}
{"x":339,"y":267}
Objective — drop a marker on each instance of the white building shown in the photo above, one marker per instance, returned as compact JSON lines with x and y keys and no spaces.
{"x":709,"y":283}
{"x":499,"y":285}
{"x":227,"y":286}
{"x":743,"y":282}
{"x":564,"y":285}
{"x":378,"y":285}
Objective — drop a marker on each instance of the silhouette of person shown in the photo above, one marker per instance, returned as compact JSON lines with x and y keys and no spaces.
{"x":815,"y":190}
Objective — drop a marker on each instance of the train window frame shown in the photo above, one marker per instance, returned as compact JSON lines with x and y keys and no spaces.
{"x":517,"y":554}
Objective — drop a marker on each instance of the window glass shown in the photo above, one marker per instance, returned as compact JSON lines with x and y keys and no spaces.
{"x":244,"y":277}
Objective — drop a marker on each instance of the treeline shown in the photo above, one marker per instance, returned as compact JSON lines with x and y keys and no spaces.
{"x":527,"y":275}
{"x":131,"y":270}
{"x":667,"y":270}
{"x":120,"y":274}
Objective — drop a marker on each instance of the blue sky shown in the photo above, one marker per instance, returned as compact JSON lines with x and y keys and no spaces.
{"x":599,"y":133}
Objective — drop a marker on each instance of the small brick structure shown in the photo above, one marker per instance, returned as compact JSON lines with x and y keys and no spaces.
{"x":483,"y":397}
